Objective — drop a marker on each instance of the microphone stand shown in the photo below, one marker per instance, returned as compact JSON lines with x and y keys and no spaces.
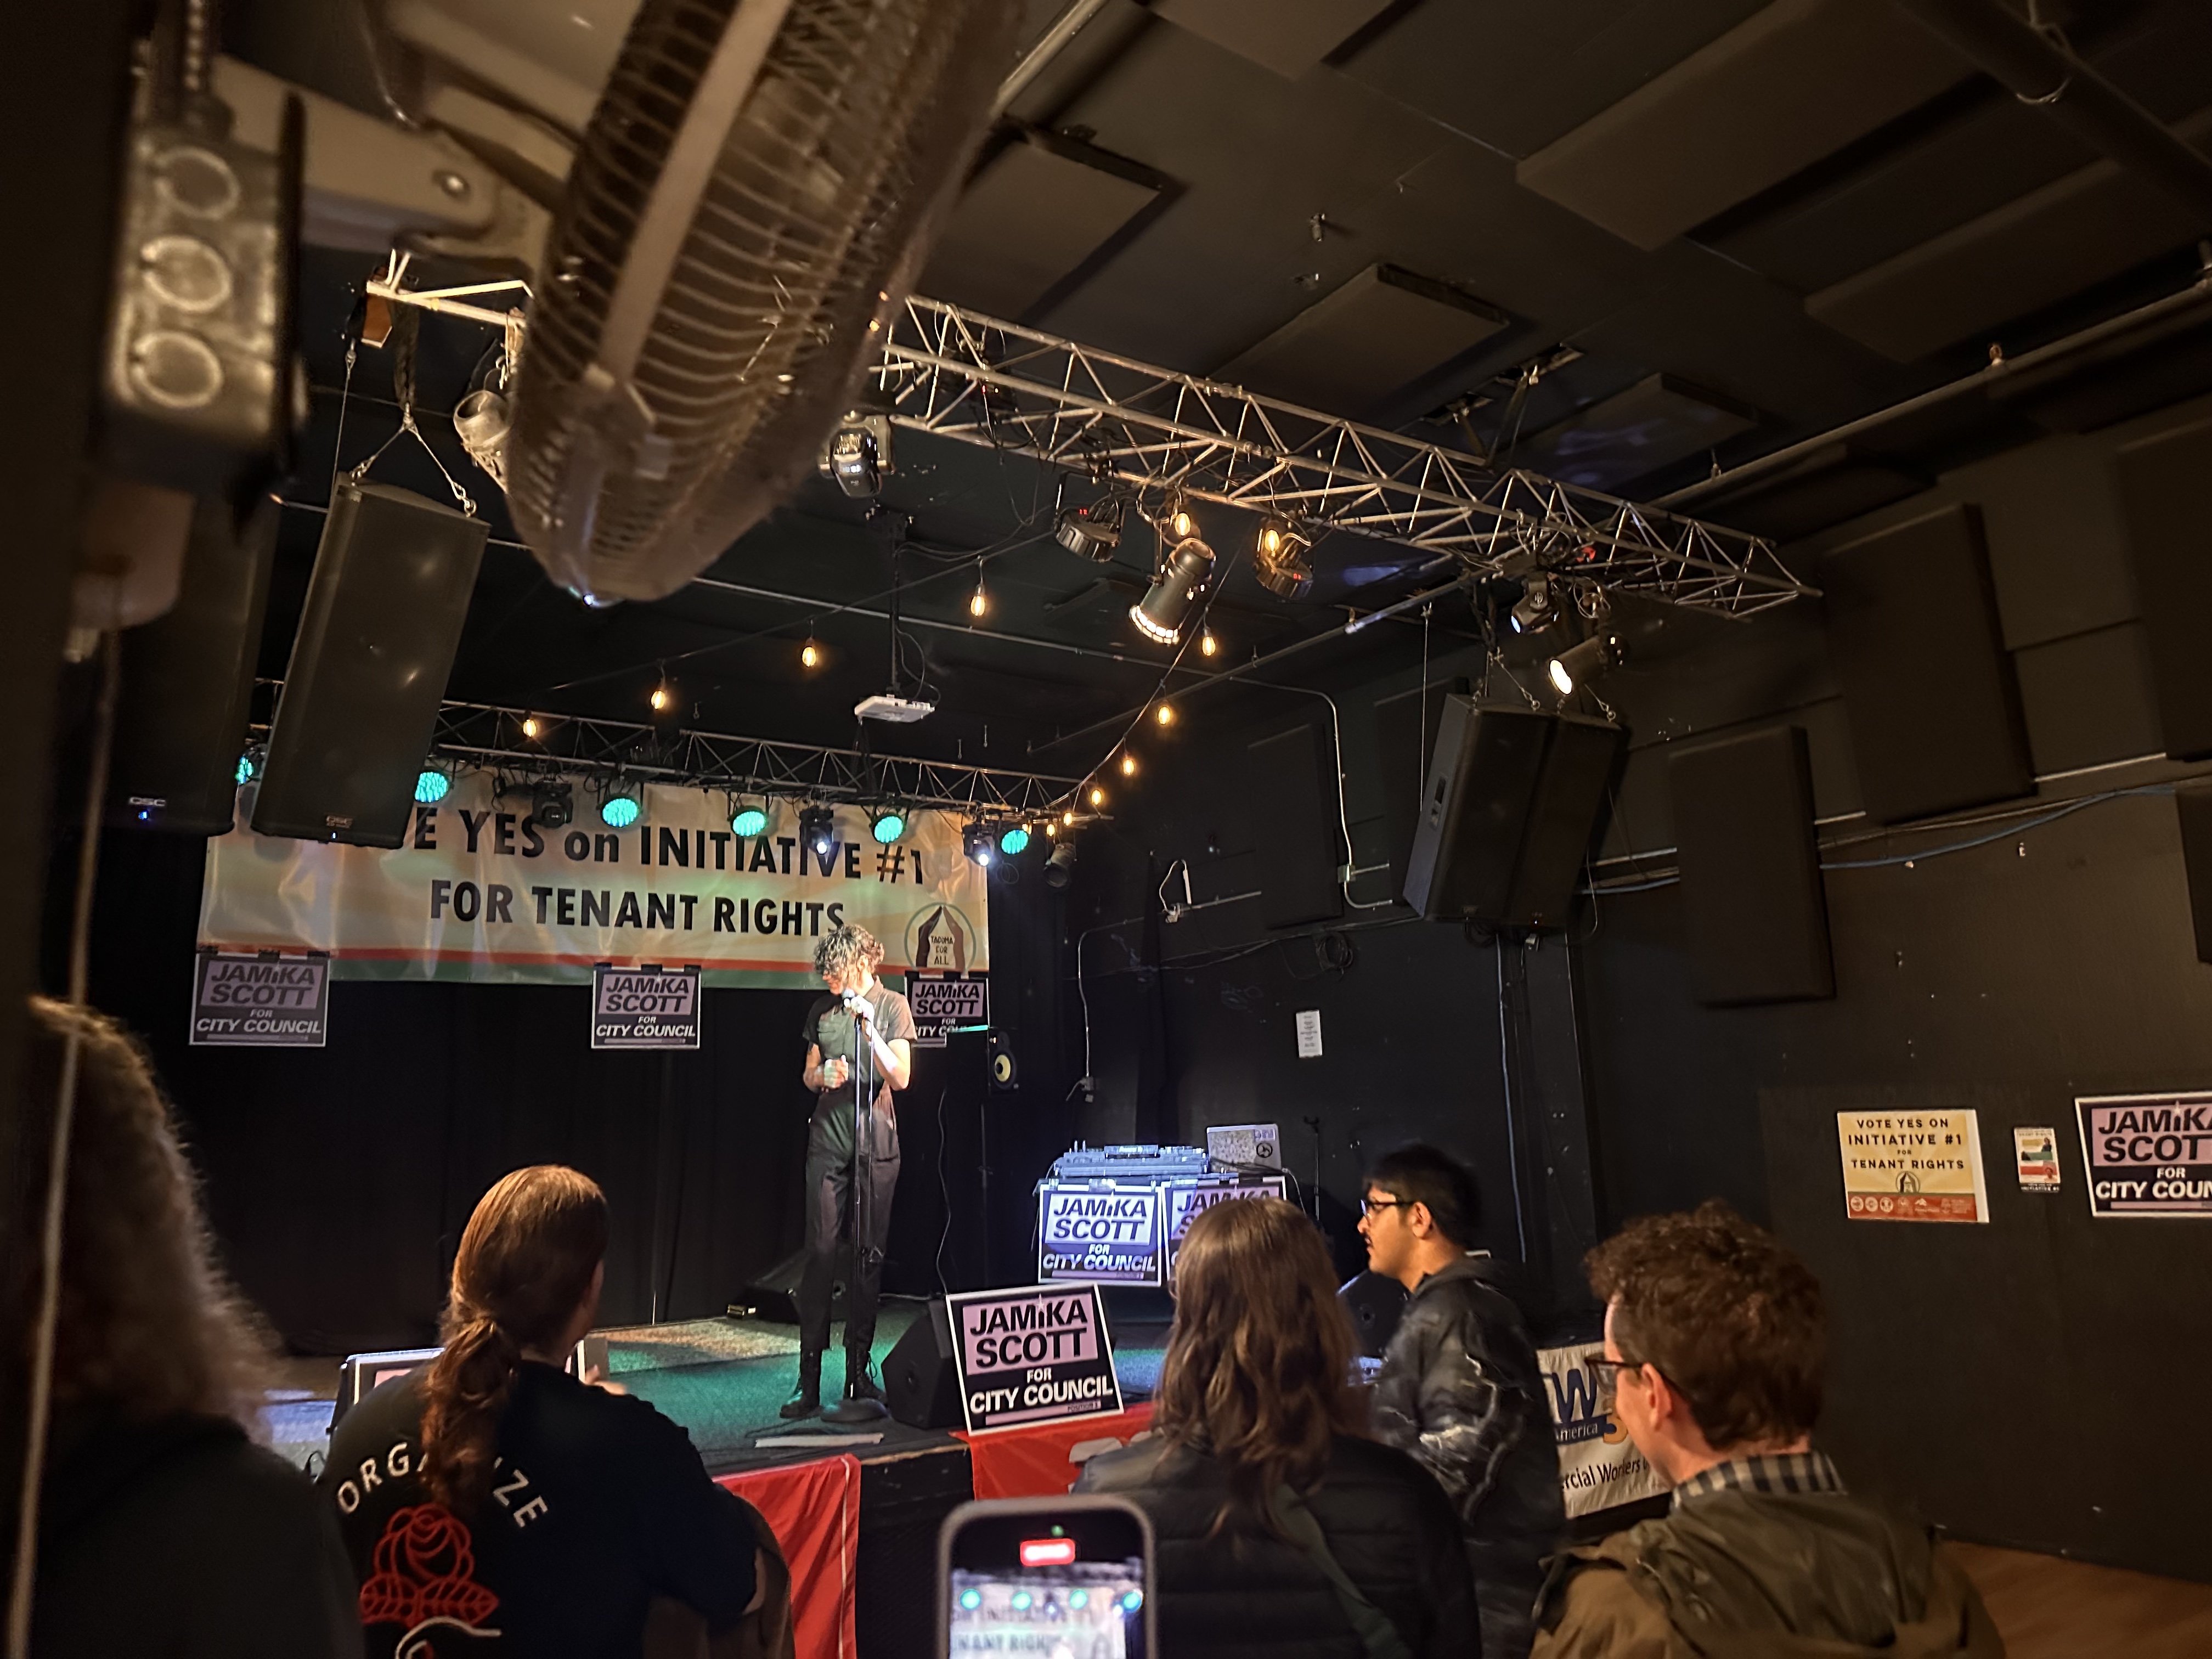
{"x":853,"y":1409}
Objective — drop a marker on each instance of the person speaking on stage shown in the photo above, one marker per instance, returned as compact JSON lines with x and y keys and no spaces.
{"x":857,"y":1012}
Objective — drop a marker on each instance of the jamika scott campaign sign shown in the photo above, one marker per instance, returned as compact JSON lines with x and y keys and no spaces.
{"x":261,"y":1001}
{"x":645,"y":1007}
{"x":2148,"y":1155}
{"x":1098,"y":1232}
{"x":1027,"y":1355}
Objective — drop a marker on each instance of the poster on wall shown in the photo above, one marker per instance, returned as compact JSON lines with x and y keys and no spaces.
{"x":1912,"y":1166}
{"x":2147,"y":1155}
{"x":943,"y":1003}
{"x":1599,"y":1465}
{"x":2035,"y":1159}
{"x":1024,"y":1356}
{"x":647,"y":1007}
{"x":1099,"y":1232}
{"x":261,"y":1001}
{"x":479,"y":892}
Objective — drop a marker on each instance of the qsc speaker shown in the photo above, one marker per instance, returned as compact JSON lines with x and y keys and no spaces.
{"x":1752,"y":906}
{"x":376,"y":641}
{"x":921,"y":1386}
{"x":1296,"y":833}
{"x":188,"y":680}
{"x":1913,"y":631}
{"x":1511,"y":802}
{"x":2162,"y":490}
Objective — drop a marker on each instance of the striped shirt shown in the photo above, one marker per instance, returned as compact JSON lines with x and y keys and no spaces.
{"x":1780,"y":1472}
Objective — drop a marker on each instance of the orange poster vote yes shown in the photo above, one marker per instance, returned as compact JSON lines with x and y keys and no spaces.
{"x":1912,"y":1166}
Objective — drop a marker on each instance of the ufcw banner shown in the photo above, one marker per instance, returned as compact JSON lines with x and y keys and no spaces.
{"x":478,"y":894}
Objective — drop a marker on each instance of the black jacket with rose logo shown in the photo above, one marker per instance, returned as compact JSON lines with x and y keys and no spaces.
{"x":599,"y":1504}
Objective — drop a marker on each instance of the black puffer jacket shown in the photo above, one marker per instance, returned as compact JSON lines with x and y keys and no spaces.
{"x":1246,"y":1593}
{"x":1460,"y":1390}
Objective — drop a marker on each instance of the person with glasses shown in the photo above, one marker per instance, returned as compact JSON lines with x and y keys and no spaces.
{"x":1460,"y":1387}
{"x":1715,"y":1340}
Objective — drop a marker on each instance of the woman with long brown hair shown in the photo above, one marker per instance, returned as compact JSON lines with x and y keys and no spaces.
{"x":493,"y":1498}
{"x":1282,"y":1529}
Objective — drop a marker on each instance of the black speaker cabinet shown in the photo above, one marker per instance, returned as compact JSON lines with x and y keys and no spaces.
{"x":2162,"y":490}
{"x":188,"y":680}
{"x":921,"y":1386}
{"x":375,"y":646}
{"x":1511,"y":802}
{"x":1752,"y":906}
{"x":774,"y":1293}
{"x":1913,"y":631}
{"x":1374,"y":1305}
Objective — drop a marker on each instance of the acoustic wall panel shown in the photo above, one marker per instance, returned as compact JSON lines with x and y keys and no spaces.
{"x":1295,"y":828}
{"x":1659,"y":420}
{"x":1794,"y":82}
{"x":1753,"y":910}
{"x":1287,"y":36}
{"x":2161,"y":481}
{"x":1377,"y":332}
{"x":1912,"y":628}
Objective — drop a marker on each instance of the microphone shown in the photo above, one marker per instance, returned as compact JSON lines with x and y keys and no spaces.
{"x":857,"y":1005}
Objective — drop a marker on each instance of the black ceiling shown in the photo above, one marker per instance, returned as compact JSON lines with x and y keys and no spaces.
{"x":1166,"y":194}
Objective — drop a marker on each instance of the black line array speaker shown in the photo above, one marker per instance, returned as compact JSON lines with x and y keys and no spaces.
{"x":375,"y":646}
{"x":1295,"y":830}
{"x":1405,"y":735}
{"x":1913,"y":631}
{"x":1752,"y":906}
{"x":2192,"y":803}
{"x":1512,"y":801}
{"x":2161,"y":489}
{"x":188,"y":680}
{"x":921,"y":1386}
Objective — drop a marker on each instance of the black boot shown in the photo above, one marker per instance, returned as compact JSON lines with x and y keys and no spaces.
{"x":806,"y":1398}
{"x":859,"y":1376}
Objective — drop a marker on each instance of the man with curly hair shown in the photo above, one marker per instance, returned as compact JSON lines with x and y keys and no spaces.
{"x":856,"y":1010}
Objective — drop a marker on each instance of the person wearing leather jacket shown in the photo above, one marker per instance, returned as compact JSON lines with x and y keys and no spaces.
{"x":1460,"y":1387}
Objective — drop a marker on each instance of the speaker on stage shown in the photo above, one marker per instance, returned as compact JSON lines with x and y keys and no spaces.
{"x":1511,"y":803}
{"x":921,"y":1386}
{"x":1374,"y":1304}
{"x":370,"y":665}
{"x":774,"y":1293}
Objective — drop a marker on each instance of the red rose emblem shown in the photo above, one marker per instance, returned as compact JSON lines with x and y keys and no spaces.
{"x":424,"y":1567}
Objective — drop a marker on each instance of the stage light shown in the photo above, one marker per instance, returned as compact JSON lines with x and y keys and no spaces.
{"x":1534,"y":611}
{"x":531,"y":726}
{"x":1165,"y":713}
{"x":1014,"y":840}
{"x":1181,"y":579}
{"x":1578,"y":665}
{"x":818,"y":829}
{"x":1060,"y":868}
{"x":1094,"y":530}
{"x":809,"y":654}
{"x":748,"y":819}
{"x":431,"y":785}
{"x":1097,"y":796}
{"x":858,"y":453}
{"x":976,"y":841}
{"x":1208,"y":645}
{"x":887,"y":824}
{"x":552,"y":804}
{"x":979,"y":602}
{"x":620,"y":807}
{"x":1128,"y":764}
{"x":1279,"y":558}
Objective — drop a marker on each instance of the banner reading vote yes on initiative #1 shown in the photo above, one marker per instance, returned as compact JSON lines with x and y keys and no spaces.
{"x":479,"y":893}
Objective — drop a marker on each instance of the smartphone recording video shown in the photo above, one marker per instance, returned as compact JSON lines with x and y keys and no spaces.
{"x":1059,"y":1578}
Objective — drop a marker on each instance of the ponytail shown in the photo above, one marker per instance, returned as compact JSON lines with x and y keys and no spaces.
{"x":523,"y":1272}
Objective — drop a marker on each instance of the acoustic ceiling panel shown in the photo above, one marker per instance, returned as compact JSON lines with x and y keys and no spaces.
{"x":1657,"y":421}
{"x":1287,"y":36}
{"x":1034,"y":213}
{"x":1789,"y":85}
{"x":1346,"y":353}
{"x":2093,"y":224}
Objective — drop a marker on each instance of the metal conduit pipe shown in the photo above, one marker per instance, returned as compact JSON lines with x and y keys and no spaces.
{"x":2041,"y":70}
{"x":1049,"y":45}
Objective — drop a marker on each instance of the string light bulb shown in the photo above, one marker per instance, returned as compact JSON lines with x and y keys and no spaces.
{"x":1051,"y":828}
{"x":1208,"y":645}
{"x":531,"y":726}
{"x":1097,"y":796}
{"x":1181,"y":522}
{"x":662,"y":696}
{"x":1128,"y":764}
{"x":1068,"y":817}
{"x":979,"y":602}
{"x":1165,"y":713}
{"x":809,"y":654}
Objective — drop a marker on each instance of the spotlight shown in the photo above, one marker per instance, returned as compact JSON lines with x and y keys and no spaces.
{"x":1279,"y":558}
{"x":531,"y":726}
{"x":552,"y":804}
{"x":978,"y":602}
{"x":887,"y":824}
{"x":1181,"y":578}
{"x":619,"y":807}
{"x":818,"y":829}
{"x":748,"y":819}
{"x":1014,"y":840}
{"x":976,"y":841}
{"x":1165,"y":713}
{"x":858,"y":453}
{"x":1535,"y":611}
{"x":1578,"y":665}
{"x":1128,"y":764}
{"x":1208,"y":645}
{"x":431,"y":785}
{"x":1097,"y":796}
{"x":1094,"y":530}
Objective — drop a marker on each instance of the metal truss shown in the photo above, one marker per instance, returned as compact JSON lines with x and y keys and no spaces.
{"x":1005,"y":388}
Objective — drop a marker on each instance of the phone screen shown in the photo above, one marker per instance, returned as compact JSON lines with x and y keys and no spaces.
{"x":1064,"y":1580}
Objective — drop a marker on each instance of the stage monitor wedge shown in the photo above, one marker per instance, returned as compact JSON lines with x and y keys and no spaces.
{"x":1913,"y":631}
{"x":2161,"y":489}
{"x":383,"y":618}
{"x":921,"y":1386}
{"x":1753,"y":910}
{"x":1512,"y":800}
{"x":188,"y":680}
